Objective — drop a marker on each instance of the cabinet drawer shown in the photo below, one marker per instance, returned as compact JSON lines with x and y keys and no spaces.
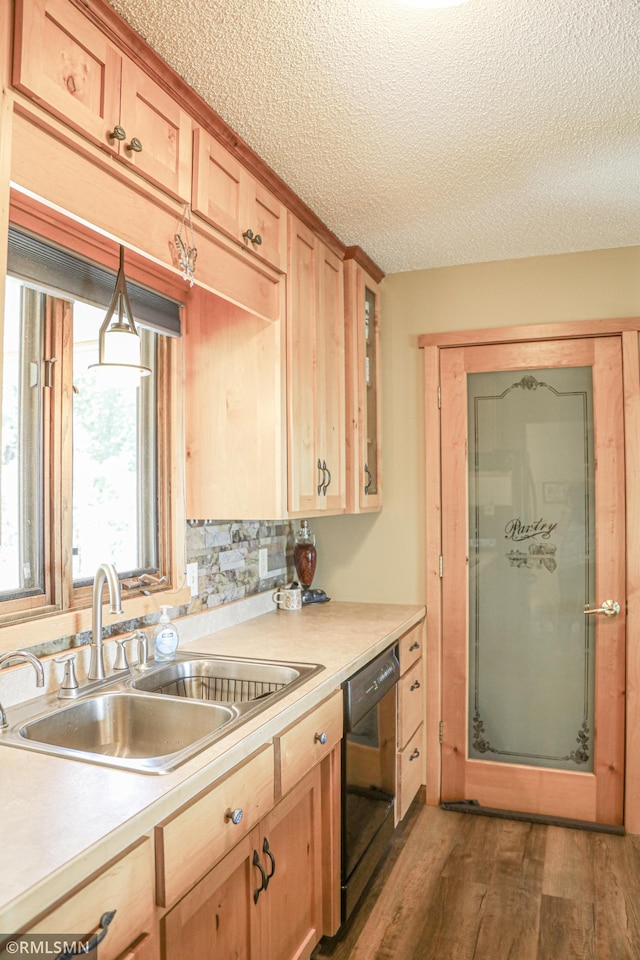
{"x":411,"y":646}
{"x":410,"y":765}
{"x":410,"y":703}
{"x":190,"y":842}
{"x":124,"y":887}
{"x":306,"y":742}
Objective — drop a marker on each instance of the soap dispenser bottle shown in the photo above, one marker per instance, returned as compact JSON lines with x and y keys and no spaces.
{"x":164,"y":638}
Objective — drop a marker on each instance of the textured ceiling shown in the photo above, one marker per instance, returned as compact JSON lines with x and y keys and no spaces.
{"x":492,"y":130}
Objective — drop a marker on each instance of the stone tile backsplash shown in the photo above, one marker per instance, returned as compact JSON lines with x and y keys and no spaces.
{"x":228,"y":557}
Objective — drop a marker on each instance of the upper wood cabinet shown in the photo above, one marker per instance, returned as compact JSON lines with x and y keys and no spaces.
{"x":364,"y":428}
{"x":65,"y":62}
{"x":315,"y":375}
{"x":231,"y":199}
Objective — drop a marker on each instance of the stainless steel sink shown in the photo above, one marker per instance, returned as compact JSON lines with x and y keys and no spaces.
{"x":242,"y":682}
{"x":152,"y":720}
{"x":128,"y":730}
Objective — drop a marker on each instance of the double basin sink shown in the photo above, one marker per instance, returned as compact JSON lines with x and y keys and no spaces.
{"x":152,"y":720}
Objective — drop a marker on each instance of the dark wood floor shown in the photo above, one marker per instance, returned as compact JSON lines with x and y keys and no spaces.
{"x":461,"y":887}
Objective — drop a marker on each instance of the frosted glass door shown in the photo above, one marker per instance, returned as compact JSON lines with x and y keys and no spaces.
{"x":531,"y":571}
{"x":533,"y":531}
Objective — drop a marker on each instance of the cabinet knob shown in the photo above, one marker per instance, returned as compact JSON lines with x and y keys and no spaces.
{"x":255,"y":238}
{"x":118,"y":133}
{"x":234,"y":815}
{"x":135,"y":146}
{"x":415,"y":754}
{"x":414,"y":646}
{"x":415,"y":685}
{"x":321,"y":737}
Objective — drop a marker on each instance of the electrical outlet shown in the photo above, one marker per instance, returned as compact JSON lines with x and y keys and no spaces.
{"x":263,"y":565}
{"x":192,"y":578}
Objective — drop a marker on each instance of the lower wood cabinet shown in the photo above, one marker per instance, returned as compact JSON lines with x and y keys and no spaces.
{"x":410,"y":766}
{"x":264,"y":899}
{"x":114,"y":910}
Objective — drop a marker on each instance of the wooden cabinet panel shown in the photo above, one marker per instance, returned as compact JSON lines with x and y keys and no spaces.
{"x":264,"y":899}
{"x":161,"y":127}
{"x":125,"y":887}
{"x":331,"y":372}
{"x":315,"y":375}
{"x":410,"y":763}
{"x":293,"y":900}
{"x":364,"y":373}
{"x":230,"y":198}
{"x":200,"y":834}
{"x":233,"y":411}
{"x":64,"y":62}
{"x":409,"y":772}
{"x":306,"y":742}
{"x":410,"y":647}
{"x":219,"y":917}
{"x":217,"y":184}
{"x":410,"y":703}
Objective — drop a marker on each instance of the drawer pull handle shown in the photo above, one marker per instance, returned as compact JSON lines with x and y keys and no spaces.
{"x":265,"y":879}
{"x":267,"y":850}
{"x":234,"y":815}
{"x":415,"y":754}
{"x":118,"y":133}
{"x":415,"y":685}
{"x":134,"y":146}
{"x":414,"y":646}
{"x":87,"y":946}
{"x":321,"y":738}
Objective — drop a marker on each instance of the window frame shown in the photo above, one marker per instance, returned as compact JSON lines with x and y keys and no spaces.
{"x":65,"y":609}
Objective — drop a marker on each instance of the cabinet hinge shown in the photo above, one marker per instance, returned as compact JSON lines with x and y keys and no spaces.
{"x":439,"y":398}
{"x":441,"y":732}
{"x":440,"y":565}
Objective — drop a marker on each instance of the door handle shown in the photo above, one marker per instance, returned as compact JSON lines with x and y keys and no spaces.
{"x":610,"y":608}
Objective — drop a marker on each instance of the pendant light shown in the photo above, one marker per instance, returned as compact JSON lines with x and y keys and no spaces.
{"x":118,"y":341}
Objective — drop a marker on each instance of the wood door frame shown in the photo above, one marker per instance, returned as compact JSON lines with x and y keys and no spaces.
{"x":628,"y":330}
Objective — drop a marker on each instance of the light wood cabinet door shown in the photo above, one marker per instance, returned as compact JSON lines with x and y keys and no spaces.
{"x":231,"y":199}
{"x":263,"y":901}
{"x":315,"y":375}
{"x":292,"y":835}
{"x":157,"y":124}
{"x":114,"y":906}
{"x":363,"y":397}
{"x":409,"y":772}
{"x":220,"y":917}
{"x":64,"y":62}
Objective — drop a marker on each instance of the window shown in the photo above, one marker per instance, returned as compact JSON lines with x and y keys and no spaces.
{"x":83,"y":456}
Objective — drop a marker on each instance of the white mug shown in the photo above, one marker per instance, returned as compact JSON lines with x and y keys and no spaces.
{"x":289,"y":598}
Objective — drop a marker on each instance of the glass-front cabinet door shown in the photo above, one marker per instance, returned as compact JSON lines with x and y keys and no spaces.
{"x":364,"y":442}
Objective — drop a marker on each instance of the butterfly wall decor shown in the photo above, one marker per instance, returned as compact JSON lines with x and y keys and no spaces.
{"x":186,"y":247}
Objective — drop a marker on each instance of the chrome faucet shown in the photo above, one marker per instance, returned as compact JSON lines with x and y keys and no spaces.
{"x":106,"y":571}
{"x":26,"y":658}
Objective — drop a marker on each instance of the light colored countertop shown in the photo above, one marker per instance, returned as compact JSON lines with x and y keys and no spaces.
{"x":63,"y":819}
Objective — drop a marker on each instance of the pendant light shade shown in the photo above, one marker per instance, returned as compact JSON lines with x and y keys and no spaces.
{"x":118,"y":341}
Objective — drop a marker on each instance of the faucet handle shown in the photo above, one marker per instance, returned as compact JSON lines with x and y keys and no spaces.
{"x":69,"y":685}
{"x":121,"y":656}
{"x":122,"y":662}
